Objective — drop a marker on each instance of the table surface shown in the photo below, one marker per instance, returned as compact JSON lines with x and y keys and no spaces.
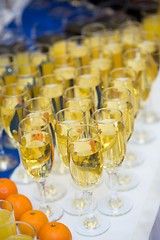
{"x":136,"y":224}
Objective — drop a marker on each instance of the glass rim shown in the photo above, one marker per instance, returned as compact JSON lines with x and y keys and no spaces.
{"x":134,"y":50}
{"x":51,"y":75}
{"x":87,"y":67}
{"x":109,"y":110}
{"x":122,"y":68}
{"x":37,"y":98}
{"x":33,"y":131}
{"x":20,"y":222}
{"x":67,"y":64}
{"x":76,"y":87}
{"x":12,"y":209}
{"x":27,"y":74}
{"x":126,"y":90}
{"x":87,"y":29}
{"x":150,"y":33}
{"x":80,"y":126}
{"x":17,"y":95}
{"x":65,"y":109}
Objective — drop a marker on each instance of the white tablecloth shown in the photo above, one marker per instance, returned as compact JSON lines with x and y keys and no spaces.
{"x":138,"y":223}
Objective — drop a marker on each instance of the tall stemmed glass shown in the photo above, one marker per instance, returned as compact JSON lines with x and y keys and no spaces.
{"x":78,"y":47}
{"x":139,"y":61}
{"x":113,"y":136}
{"x":150,"y":44}
{"x":7,"y":161}
{"x":36,"y":150}
{"x":90,"y":77}
{"x":13,"y":97}
{"x":53,"y":86}
{"x":127,"y":77}
{"x":42,"y":106}
{"x":86,"y":166}
{"x":120,"y":98}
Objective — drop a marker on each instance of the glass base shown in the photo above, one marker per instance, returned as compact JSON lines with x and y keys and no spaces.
{"x":106,"y":207}
{"x":7,"y":162}
{"x":20,"y":176}
{"x":133,"y":160}
{"x":126,"y":181}
{"x":53,"y":211}
{"x":101,"y":226}
{"x":53,"y":191}
{"x":76,"y":206}
{"x":7,"y":143}
{"x":141,"y":138}
{"x":151,"y":117}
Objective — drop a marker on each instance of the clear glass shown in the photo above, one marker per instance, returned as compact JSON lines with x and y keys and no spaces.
{"x":42,"y":106}
{"x":90,"y":77}
{"x":120,"y":98}
{"x":79,"y":97}
{"x":86,"y":166}
{"x":64,"y":66}
{"x":6,"y":212}
{"x":139,"y":60}
{"x":17,"y":230}
{"x":113,"y":137}
{"x":35,"y":140}
{"x":78,"y":47}
{"x":53,"y":86}
{"x":13,"y":97}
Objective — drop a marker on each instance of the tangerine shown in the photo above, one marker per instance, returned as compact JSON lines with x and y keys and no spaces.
{"x":55,"y":231}
{"x":35,"y":218}
{"x":7,"y":187}
{"x":21,"y":204}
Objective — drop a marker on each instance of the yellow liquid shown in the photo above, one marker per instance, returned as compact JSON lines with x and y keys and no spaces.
{"x":105,"y":66}
{"x":19,"y":237}
{"x":144,"y":76}
{"x":35,"y":150}
{"x":7,"y":230}
{"x":6,"y":216}
{"x":152,"y":23}
{"x":81,"y":53}
{"x":61,"y":130}
{"x":85,"y":162}
{"x":117,"y":53}
{"x":23,"y":58}
{"x":93,"y":82}
{"x":132,"y":86}
{"x":113,"y":140}
{"x":127,"y":109}
{"x":54,"y":92}
{"x":67,"y":73}
{"x":58,"y":48}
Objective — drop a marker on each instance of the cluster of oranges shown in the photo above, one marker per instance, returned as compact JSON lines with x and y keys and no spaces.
{"x":24,"y":212}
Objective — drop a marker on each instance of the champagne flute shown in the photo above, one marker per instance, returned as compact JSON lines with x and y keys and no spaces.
{"x":78,"y":47}
{"x":113,"y":136}
{"x":36,"y":150}
{"x":150,"y":44}
{"x":126,"y":77}
{"x":42,"y":106}
{"x":79,"y":97}
{"x":39,"y":55}
{"x":120,"y":98}
{"x":86,"y":166}
{"x":64,"y":120}
{"x":13,"y":97}
{"x":28,"y":74}
{"x":7,"y":161}
{"x":17,"y":231}
{"x":90,"y":77}
{"x":22,"y":54}
{"x":53,"y":86}
{"x":139,"y":61}
{"x":64,"y":65}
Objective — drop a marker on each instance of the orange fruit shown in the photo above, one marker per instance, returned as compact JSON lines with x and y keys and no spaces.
{"x":36,"y":218}
{"x":7,"y":187}
{"x":55,"y":231}
{"x":21,"y":204}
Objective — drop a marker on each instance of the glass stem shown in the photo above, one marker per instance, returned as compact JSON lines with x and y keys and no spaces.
{"x":1,"y":144}
{"x":114,"y":201}
{"x":90,"y":220}
{"x":41,"y":188}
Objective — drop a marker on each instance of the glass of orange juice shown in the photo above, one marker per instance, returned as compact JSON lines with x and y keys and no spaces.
{"x":17,"y":231}
{"x":6,"y":212}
